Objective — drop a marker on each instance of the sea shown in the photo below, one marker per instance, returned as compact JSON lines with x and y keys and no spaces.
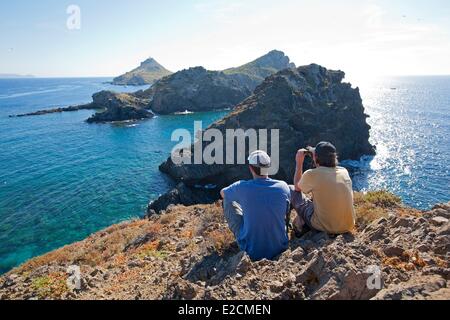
{"x":62,"y":179}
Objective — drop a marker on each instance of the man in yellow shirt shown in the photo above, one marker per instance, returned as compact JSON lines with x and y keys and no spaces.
{"x":331,"y":208}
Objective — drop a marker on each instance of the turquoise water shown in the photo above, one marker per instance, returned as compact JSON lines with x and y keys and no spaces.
{"x":62,"y":179}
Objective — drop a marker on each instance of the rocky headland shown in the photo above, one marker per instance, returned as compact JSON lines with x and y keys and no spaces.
{"x":188,"y":253}
{"x":307,"y":105}
{"x":148,"y":72}
{"x":89,"y":106}
{"x":110,"y":107}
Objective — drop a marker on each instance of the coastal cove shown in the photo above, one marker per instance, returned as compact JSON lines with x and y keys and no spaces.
{"x":62,"y":179}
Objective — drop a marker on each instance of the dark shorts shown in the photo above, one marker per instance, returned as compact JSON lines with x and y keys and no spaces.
{"x":303,"y":206}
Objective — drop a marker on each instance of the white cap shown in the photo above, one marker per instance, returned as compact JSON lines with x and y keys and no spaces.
{"x":259,"y":159}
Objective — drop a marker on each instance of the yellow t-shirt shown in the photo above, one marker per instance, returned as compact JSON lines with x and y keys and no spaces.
{"x":333,"y":199}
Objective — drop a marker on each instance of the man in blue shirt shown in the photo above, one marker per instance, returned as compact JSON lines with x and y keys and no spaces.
{"x":256,"y":210}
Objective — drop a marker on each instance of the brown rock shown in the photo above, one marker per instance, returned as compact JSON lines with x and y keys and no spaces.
{"x":418,"y":288}
{"x":439,"y":221}
{"x":354,"y":287}
{"x":392,"y":251}
{"x":276,"y":286}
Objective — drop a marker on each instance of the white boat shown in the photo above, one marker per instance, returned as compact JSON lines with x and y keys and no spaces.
{"x":184,"y":112}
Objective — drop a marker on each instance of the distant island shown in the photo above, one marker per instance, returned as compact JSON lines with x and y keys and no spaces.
{"x":148,"y":72}
{"x":15,"y":76}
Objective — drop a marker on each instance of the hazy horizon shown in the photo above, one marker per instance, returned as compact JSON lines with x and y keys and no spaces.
{"x":31,"y":76}
{"x":367,"y":38}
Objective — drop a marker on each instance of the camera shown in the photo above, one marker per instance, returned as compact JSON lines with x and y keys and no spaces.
{"x":309,"y":151}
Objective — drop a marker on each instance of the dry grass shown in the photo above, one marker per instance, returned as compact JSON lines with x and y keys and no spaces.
{"x":187,"y":234}
{"x":210,"y":220}
{"x":154,"y":228}
{"x":441,"y":263}
{"x":51,"y":286}
{"x":167,"y":219}
{"x":409,"y":261}
{"x":381,"y":198}
{"x":120,"y":259}
{"x":97,"y":249}
{"x":373,"y":205}
{"x":221,"y":239}
{"x":401,"y":212}
{"x":152,"y":249}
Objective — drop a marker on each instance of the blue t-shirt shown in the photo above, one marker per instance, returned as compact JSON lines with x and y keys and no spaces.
{"x":264,"y":204}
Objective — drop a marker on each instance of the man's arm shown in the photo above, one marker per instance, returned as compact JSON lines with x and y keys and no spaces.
{"x":232,"y":193}
{"x":299,"y":160}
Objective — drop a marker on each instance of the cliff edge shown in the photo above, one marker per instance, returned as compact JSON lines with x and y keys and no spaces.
{"x":188,"y":253}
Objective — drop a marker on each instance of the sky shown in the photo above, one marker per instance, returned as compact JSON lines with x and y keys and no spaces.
{"x":364,"y":38}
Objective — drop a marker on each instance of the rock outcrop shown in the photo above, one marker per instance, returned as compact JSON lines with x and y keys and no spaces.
{"x":111,"y":106}
{"x":55,"y":110}
{"x":116,"y":113}
{"x":148,"y":72}
{"x":189,"y":253}
{"x":196,"y":89}
{"x":307,"y":105}
{"x":252,"y":74}
{"x":118,"y":107}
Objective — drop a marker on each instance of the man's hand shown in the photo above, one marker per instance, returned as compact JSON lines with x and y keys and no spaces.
{"x":300,"y":157}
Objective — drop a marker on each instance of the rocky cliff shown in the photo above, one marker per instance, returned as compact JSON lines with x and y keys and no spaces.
{"x":196,"y":89}
{"x":308,"y":105}
{"x":188,"y":253}
{"x":252,"y":74}
{"x":148,"y":72}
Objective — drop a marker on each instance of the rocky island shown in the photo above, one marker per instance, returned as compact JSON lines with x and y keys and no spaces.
{"x":148,"y":72}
